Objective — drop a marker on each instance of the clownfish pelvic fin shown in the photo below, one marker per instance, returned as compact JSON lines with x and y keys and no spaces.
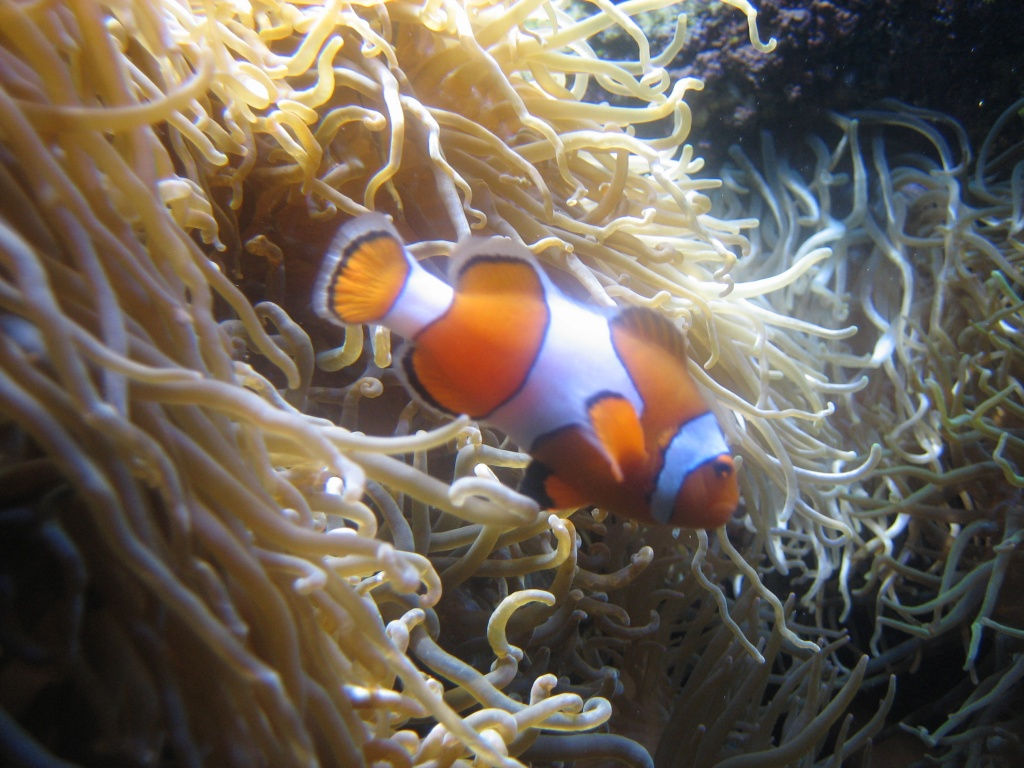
{"x":561,"y":459}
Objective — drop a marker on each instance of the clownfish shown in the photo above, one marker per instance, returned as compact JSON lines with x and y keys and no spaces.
{"x":601,"y":400}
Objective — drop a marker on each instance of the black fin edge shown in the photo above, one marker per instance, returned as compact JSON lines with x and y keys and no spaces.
{"x":414,"y":383}
{"x":655,"y":326}
{"x":532,"y":484}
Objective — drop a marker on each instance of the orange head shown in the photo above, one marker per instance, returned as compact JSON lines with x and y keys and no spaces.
{"x":708,"y":496}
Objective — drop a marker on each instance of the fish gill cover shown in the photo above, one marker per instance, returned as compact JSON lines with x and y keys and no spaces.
{"x":229,"y":539}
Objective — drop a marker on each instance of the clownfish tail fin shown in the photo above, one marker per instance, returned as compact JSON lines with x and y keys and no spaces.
{"x":363,"y":273}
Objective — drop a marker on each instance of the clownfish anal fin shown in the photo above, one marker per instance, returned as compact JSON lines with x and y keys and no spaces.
{"x":654,"y":328}
{"x":479,"y":353}
{"x":364,"y":271}
{"x":617,"y":426}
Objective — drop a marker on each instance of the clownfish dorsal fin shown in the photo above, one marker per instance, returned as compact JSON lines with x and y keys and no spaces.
{"x":479,"y":353}
{"x":653,"y":327}
{"x":617,"y":427}
{"x":653,"y":352}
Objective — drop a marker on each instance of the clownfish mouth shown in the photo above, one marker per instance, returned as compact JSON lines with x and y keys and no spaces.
{"x":722,"y":512}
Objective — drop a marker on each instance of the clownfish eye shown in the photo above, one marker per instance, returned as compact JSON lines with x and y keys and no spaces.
{"x":722,"y":467}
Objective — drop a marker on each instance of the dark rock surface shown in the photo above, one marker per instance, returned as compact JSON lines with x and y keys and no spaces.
{"x":961,"y":57}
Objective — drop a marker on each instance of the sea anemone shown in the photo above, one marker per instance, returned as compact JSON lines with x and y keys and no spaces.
{"x":228,"y":538}
{"x":926,"y":265}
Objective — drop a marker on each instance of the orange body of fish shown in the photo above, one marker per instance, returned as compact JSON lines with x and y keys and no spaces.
{"x":601,"y":400}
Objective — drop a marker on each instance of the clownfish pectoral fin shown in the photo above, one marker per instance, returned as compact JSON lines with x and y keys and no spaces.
{"x":479,"y":353}
{"x":617,"y":426}
{"x":364,"y":272}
